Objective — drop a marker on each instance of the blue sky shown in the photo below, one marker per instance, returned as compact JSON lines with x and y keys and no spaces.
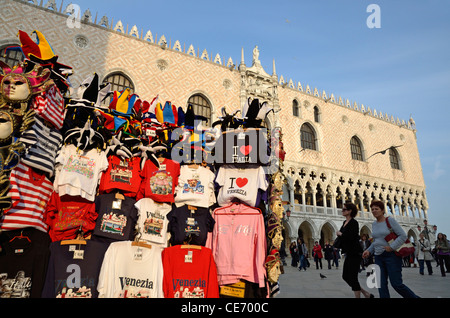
{"x":401,"y":68}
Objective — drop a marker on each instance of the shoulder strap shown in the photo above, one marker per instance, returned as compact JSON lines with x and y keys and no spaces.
{"x":387,"y":222}
{"x":388,"y":225}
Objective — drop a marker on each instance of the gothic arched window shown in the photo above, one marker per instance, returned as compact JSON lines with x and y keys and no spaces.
{"x":356,"y":149}
{"x":295,"y":108}
{"x":394,"y":159}
{"x":308,"y":137}
{"x":316,"y":114}
{"x":202,"y":107}
{"x":10,"y":57}
{"x":119,"y":82}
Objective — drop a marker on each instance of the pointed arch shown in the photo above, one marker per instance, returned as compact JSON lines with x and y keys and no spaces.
{"x":308,"y":137}
{"x":356,"y":149}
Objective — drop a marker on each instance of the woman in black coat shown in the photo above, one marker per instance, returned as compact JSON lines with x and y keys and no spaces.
{"x":349,"y":236}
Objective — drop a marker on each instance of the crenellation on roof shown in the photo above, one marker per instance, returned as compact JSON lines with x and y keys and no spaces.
{"x":148,"y":37}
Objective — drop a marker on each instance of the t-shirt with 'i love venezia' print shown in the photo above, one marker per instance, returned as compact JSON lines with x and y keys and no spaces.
{"x":240,"y":184}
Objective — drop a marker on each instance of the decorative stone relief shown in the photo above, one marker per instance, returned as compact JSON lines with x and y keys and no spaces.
{"x":81,"y":41}
{"x":162,"y":64}
{"x":227,"y":83}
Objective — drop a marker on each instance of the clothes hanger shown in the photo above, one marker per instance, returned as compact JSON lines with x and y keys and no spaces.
{"x":79,"y":240}
{"x":256,"y":211}
{"x":137,"y":242}
{"x":119,"y":196}
{"x":186,"y":244}
{"x":21,"y":236}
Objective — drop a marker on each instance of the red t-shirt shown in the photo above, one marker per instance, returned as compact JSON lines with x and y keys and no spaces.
{"x":66,"y":214}
{"x":189,"y":273}
{"x":159,"y":183}
{"x":124,"y":175}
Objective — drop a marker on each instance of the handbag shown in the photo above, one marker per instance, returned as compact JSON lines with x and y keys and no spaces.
{"x":337,"y":242}
{"x":405,"y":249}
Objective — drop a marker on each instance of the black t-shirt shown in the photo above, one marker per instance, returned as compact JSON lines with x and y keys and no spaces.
{"x":68,"y":275}
{"x":116,"y":218}
{"x":242,"y":147}
{"x":23,"y":264}
{"x":189,"y":225}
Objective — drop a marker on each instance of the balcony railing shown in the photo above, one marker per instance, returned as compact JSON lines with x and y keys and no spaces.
{"x":318,"y":211}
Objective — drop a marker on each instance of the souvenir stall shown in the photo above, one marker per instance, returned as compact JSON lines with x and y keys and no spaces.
{"x":131,"y":198}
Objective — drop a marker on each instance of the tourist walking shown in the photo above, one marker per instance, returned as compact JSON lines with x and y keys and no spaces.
{"x":424,"y":256}
{"x":328,"y":251}
{"x":293,"y":249}
{"x":303,"y":253}
{"x":365,"y":243}
{"x":317,"y":253}
{"x":388,"y":263}
{"x":443,"y":253}
{"x":336,"y":256}
{"x":349,"y":236}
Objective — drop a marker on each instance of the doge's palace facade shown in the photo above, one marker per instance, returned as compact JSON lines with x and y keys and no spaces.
{"x":328,"y":139}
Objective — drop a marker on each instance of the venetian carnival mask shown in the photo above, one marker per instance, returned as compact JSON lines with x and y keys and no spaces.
{"x":273,"y":266}
{"x":277,"y":208}
{"x":6,"y":125}
{"x":15,"y":87}
{"x":20,"y":83}
{"x":277,"y":239}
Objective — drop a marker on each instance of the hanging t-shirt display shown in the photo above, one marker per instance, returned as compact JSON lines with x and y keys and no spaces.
{"x":30,"y":192}
{"x":189,"y":272}
{"x":123,"y":175}
{"x":238,"y":184}
{"x":42,"y":145}
{"x":78,"y":173}
{"x":239,"y":146}
{"x":131,"y":272}
{"x":152,"y":222}
{"x":239,"y":244}
{"x":73,"y":270}
{"x":190,"y":224}
{"x":65,"y":214}
{"x":159,"y":183}
{"x":116,"y":219}
{"x":23,"y":267}
{"x":195,"y":187}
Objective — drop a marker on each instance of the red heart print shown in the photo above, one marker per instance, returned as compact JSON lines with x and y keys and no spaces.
{"x":245,"y":150}
{"x":241,"y":182}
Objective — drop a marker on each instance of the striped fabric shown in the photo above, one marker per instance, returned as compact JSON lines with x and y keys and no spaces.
{"x":42,"y":144}
{"x":50,"y":106}
{"x":30,"y":193}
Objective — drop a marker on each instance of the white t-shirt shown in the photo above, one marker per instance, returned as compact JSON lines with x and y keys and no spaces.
{"x":241,"y":184}
{"x":195,"y":187}
{"x":131,"y":272}
{"x":78,"y":174}
{"x":152,"y":221}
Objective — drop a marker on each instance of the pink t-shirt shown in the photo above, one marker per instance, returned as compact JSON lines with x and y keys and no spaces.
{"x":239,"y":244}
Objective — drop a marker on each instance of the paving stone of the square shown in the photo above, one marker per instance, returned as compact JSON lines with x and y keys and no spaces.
{"x":296,"y":284}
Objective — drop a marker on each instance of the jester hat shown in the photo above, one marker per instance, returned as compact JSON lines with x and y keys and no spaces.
{"x":42,"y":53}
